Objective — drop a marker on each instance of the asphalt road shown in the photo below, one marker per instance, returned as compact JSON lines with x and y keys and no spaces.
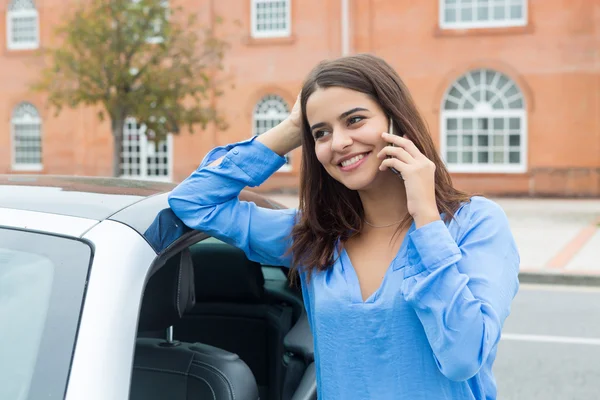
{"x":551,"y":345}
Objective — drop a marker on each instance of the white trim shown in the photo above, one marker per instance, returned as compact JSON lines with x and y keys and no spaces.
{"x":550,"y":339}
{"x":10,"y":43}
{"x":275,"y":33}
{"x":345,"y":26}
{"x":504,"y":23}
{"x":26,"y":167}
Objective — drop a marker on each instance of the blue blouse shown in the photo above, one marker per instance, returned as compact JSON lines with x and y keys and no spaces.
{"x":431,"y":330}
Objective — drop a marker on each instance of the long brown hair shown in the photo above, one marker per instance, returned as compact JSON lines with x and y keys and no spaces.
{"x":329,"y":212}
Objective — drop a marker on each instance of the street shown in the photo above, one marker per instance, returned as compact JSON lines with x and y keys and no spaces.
{"x":551,"y":345}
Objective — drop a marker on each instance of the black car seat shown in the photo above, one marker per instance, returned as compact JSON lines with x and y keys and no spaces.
{"x":233,"y":312}
{"x":177,"y":370}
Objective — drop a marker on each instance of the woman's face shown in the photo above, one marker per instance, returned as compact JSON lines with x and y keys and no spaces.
{"x":347,"y":127}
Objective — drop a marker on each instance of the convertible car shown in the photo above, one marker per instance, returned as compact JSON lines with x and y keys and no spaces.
{"x":106,"y":294}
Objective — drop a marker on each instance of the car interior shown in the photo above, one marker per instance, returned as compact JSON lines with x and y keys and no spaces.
{"x":215,"y":325}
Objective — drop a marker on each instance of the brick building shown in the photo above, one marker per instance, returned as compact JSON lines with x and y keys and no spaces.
{"x":510,"y":88}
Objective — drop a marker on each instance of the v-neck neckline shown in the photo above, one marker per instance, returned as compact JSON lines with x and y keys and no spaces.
{"x":352,"y":277}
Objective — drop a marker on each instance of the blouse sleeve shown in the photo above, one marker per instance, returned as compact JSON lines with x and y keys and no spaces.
{"x":208,"y":201}
{"x":462,"y":289}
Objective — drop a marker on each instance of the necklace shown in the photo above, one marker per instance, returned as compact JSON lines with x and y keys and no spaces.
{"x":382,"y":226}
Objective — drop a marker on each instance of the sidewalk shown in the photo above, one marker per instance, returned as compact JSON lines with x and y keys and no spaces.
{"x":558,"y":239}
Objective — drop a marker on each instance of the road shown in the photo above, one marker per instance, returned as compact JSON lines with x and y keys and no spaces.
{"x":551,"y":345}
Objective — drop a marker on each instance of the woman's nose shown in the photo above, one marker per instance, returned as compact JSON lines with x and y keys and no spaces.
{"x":340,"y":139}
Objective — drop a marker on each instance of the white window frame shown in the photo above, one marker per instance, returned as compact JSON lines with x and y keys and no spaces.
{"x":484,"y":110}
{"x":144,"y":144}
{"x":21,"y":13}
{"x":270,"y":33}
{"x":280,"y":116}
{"x":490,"y":23}
{"x":27,"y":119}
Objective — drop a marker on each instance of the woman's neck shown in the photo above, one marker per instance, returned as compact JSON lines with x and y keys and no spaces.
{"x":385,"y":202}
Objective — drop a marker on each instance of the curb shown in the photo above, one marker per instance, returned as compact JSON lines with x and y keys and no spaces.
{"x":558,"y":278}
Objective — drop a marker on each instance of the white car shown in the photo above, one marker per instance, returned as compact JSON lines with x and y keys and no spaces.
{"x":105,"y":294}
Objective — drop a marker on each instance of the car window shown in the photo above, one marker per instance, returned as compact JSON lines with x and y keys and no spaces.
{"x":42,"y":279}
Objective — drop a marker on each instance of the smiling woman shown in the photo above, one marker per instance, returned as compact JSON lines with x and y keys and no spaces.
{"x":406,"y":282}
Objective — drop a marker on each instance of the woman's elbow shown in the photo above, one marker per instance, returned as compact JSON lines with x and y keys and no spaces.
{"x":460,"y":369}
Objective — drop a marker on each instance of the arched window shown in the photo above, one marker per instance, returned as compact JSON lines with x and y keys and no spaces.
{"x":22,"y":25}
{"x":26,"y":128}
{"x":142,"y":158}
{"x":268,"y":113}
{"x":483,"y":124}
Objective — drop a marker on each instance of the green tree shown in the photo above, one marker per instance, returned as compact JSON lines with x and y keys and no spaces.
{"x":136,"y":58}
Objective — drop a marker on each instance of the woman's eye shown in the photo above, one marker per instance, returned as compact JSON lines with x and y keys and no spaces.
{"x":354,"y":120}
{"x":319,"y":134}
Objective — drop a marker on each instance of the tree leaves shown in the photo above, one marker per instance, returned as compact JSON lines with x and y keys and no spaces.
{"x":136,"y":58}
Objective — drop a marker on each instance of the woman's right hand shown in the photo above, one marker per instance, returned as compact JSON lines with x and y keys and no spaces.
{"x":295,"y":116}
{"x":286,"y":136}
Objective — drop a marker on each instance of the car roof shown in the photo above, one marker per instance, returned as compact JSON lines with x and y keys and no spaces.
{"x":98,"y":198}
{"x":86,"y":197}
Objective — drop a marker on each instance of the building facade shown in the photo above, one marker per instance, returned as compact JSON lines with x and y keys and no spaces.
{"x":510,"y":89}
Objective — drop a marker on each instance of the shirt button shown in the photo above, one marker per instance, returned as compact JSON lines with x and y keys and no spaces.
{"x":236,"y":151}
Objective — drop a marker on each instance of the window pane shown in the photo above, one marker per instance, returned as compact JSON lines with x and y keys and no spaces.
{"x":450,"y":15}
{"x":464,"y":83}
{"x":514,"y":123}
{"x":516,"y":104}
{"x":482,"y":124}
{"x":514,"y":157}
{"x":467,"y":158}
{"x":498,"y":105}
{"x":482,"y":140}
{"x":514,"y":140}
{"x":452,"y":156}
{"x":452,"y":124}
{"x":467,"y":105}
{"x":498,"y":140}
{"x":516,"y":12}
{"x":498,"y":123}
{"x":499,"y":13}
{"x":511,"y":91}
{"x":467,"y":124}
{"x":466,"y":15}
{"x":467,"y":140}
{"x":482,"y":157}
{"x":454,"y":92}
{"x":501,"y":82}
{"x":452,"y":140}
{"x":450,"y":105}
{"x":482,"y":13}
{"x":498,"y":157}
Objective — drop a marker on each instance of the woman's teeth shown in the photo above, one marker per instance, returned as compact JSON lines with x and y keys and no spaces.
{"x":353,"y":160}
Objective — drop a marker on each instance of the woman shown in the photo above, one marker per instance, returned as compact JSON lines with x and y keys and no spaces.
{"x":406,"y":280}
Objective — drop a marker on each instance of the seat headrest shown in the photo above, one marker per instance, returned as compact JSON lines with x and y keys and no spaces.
{"x":223,"y":273}
{"x":169,"y":294}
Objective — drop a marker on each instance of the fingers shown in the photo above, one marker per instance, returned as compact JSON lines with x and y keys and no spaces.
{"x":393,"y":163}
{"x":396,"y":152}
{"x":404,"y":143}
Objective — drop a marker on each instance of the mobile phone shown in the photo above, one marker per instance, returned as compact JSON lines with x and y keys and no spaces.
{"x":391,"y":132}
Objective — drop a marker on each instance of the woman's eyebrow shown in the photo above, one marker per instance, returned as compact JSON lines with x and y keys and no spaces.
{"x":342,"y":116}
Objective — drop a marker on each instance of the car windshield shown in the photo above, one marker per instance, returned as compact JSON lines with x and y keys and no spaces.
{"x":42,"y":282}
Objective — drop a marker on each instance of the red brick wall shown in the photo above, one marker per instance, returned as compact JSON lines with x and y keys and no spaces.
{"x":552,"y":59}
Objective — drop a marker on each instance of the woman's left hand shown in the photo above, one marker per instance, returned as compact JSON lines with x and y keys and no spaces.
{"x":418,"y":173}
